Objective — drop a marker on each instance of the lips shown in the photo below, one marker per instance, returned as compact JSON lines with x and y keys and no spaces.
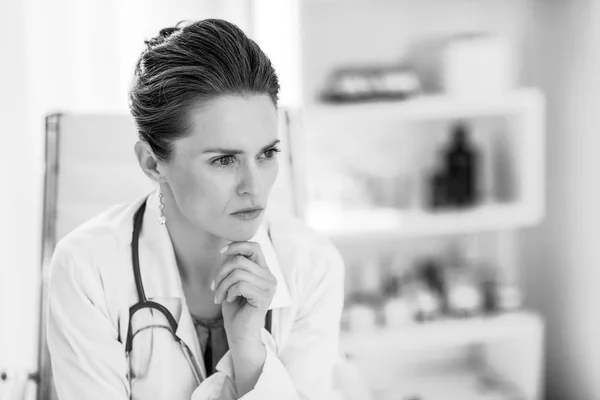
{"x":247,"y":210}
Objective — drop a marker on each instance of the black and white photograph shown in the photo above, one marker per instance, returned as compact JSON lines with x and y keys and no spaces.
{"x":299,"y":200}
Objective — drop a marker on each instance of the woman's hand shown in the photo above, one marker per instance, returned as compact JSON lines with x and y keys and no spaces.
{"x":245,"y":287}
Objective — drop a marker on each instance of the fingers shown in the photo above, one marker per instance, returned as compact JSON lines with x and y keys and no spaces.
{"x":242,"y":263}
{"x":245,"y":274}
{"x":251,"y":250}
{"x":238,"y":275}
{"x":255,"y":296}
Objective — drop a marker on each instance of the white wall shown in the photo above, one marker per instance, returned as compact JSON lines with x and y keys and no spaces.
{"x":562,"y":256}
{"x":19,"y":179}
{"x":72,"y":56}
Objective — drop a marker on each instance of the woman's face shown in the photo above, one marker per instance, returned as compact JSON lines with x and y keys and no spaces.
{"x":228,"y":163}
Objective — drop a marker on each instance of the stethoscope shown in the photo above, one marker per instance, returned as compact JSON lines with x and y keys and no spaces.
{"x":145,"y":303}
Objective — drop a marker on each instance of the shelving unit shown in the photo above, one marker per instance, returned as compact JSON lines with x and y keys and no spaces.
{"x":511,"y":346}
{"x":307,"y":40}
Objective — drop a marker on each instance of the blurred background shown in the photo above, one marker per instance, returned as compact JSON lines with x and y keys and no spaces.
{"x":447,"y":148}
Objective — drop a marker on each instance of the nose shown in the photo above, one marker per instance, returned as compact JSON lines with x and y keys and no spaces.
{"x":249,"y":183}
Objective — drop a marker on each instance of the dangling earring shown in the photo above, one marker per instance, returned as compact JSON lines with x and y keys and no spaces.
{"x":161,"y":207}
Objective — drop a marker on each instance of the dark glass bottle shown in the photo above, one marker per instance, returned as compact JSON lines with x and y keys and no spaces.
{"x":461,"y":166}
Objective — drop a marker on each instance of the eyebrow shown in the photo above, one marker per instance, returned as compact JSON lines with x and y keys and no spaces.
{"x":234,"y":151}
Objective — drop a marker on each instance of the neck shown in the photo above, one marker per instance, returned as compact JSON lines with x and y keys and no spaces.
{"x":196,"y":251}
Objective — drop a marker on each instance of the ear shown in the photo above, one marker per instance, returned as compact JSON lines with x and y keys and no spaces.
{"x":149,"y":162}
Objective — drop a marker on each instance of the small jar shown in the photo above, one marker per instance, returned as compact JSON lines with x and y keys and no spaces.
{"x":398,"y":312}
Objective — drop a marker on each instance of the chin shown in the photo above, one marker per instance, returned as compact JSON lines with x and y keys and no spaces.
{"x":241,"y":231}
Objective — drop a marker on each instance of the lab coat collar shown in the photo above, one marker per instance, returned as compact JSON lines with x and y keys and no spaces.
{"x":161,"y":276}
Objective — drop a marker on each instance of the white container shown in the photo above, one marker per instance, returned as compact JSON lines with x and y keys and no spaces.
{"x":475,"y":65}
{"x":370,"y":275}
{"x":398,"y":312}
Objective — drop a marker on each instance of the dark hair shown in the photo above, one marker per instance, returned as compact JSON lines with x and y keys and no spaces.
{"x":187,"y":64}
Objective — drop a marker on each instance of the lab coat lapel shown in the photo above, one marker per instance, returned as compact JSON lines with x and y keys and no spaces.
{"x":186,"y":331}
{"x":281,"y":298}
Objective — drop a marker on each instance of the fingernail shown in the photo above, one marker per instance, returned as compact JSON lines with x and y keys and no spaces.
{"x":224,"y":249}
{"x":215,"y":300}
{"x":212,"y":285}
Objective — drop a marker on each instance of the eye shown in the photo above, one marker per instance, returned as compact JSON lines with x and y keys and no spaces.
{"x":271,"y":153}
{"x":223,"y":162}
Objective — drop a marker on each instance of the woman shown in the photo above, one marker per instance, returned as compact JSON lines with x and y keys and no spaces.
{"x":195,"y":291}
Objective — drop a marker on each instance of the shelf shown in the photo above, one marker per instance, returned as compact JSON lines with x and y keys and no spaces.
{"x":454,"y":384}
{"x":450,"y":333}
{"x":355,"y":227}
{"x":429,"y":107}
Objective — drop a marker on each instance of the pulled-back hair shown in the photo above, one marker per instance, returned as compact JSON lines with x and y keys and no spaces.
{"x":187,"y":65}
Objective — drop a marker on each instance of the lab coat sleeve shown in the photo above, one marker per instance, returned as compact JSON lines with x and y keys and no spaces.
{"x":88,"y":361}
{"x":304,"y":368}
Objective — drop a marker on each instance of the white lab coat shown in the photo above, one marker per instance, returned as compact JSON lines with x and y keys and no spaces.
{"x":91,"y":287}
